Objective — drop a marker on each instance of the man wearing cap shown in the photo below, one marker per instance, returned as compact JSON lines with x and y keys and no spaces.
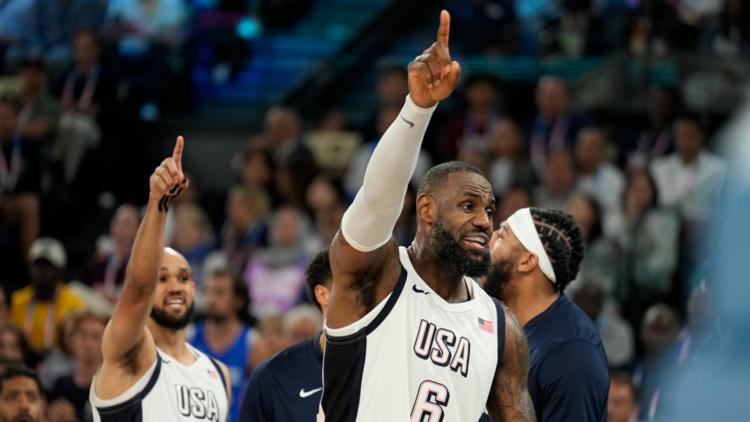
{"x":535,"y":255}
{"x":38,"y":307}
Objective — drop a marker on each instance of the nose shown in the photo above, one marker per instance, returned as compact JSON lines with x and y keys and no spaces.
{"x":23,"y":402}
{"x":482,"y":221}
{"x":174,"y":285}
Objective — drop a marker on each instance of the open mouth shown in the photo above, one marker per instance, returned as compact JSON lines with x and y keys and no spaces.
{"x":175,"y":304}
{"x":476,"y":242}
{"x":23,"y":418}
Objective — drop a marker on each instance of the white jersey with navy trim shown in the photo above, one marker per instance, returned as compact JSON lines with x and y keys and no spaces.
{"x":169,"y":392}
{"x":414,"y":357}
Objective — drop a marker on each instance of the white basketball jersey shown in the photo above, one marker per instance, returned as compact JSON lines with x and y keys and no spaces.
{"x":415,"y":357}
{"x":169,"y":392}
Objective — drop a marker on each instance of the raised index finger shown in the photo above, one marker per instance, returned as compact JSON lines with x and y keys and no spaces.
{"x":444,"y":29}
{"x":177,"y":152}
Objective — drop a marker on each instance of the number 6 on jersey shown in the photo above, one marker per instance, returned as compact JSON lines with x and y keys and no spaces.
{"x":431,"y":398}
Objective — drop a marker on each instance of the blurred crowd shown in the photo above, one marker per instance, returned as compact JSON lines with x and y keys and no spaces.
{"x":584,"y":28}
{"x":641,"y":192}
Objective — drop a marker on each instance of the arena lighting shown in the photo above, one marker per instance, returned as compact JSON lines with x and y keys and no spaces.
{"x":248,"y":27}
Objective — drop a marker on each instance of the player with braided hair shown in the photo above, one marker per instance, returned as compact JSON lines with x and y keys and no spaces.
{"x":535,"y":255}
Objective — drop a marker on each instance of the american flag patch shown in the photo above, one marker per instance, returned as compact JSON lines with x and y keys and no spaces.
{"x":213,"y":374}
{"x":486,"y":325}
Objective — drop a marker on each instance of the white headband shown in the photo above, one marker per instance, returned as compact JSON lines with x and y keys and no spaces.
{"x":523,"y":227}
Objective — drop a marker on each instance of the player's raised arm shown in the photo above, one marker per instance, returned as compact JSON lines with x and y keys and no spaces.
{"x":509,"y":398}
{"x":124,"y":338}
{"x":364,"y":240}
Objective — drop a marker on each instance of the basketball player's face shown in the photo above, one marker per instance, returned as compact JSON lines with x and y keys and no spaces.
{"x":504,"y":254}
{"x":175,"y":290}
{"x":21,"y":400}
{"x":462,"y":233}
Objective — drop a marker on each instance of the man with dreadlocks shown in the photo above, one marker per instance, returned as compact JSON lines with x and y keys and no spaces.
{"x":535,"y":255}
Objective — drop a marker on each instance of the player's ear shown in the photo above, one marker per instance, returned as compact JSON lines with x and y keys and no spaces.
{"x":527,"y":262}
{"x":321,"y":295}
{"x":426,"y":208}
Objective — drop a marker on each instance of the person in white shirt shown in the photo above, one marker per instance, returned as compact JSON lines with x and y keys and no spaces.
{"x":599,"y":178}
{"x":691,"y":178}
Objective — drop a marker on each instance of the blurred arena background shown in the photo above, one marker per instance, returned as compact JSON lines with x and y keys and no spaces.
{"x":613,"y":110}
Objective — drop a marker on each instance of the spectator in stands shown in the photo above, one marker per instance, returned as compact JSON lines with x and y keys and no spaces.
{"x":659,"y":331}
{"x":733,"y":38}
{"x":689,"y":179}
{"x":282,"y":134}
{"x":356,"y":169}
{"x":146,"y":33}
{"x":21,"y":395}
{"x":246,"y":225}
{"x":487,"y":26}
{"x":615,"y":332}
{"x":697,"y":19}
{"x":70,"y":394}
{"x":225,"y":333}
{"x":60,"y":21}
{"x":84,"y":102}
{"x":577,"y":32}
{"x":294,"y":176}
{"x":302,"y":322}
{"x":391,"y":86}
{"x":651,"y":244}
{"x":475,"y":127}
{"x":40,"y":112}
{"x":333,"y":121}
{"x":599,"y":178}
{"x":258,"y":170}
{"x":558,"y":181}
{"x":517,"y":196}
{"x":59,"y":361}
{"x":327,"y":201}
{"x":603,"y":258}
{"x":324,"y":193}
{"x":47,"y":300}
{"x":271,"y":338}
{"x":555,"y":126}
{"x":14,"y":348}
{"x":622,"y":404}
{"x":193,"y":237}
{"x":141,"y":24}
{"x":105,"y":272}
{"x":476,"y":156}
{"x":509,"y":164}
{"x":20,"y":177}
{"x":18,"y":32}
{"x":276,"y":275}
{"x":656,"y":138}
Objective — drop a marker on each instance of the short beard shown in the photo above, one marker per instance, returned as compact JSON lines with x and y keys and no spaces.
{"x":170,"y":322}
{"x":500,"y":276}
{"x":454,"y":257}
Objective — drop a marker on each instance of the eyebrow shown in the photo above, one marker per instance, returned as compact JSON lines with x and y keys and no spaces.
{"x":180,"y":270}
{"x":479,"y":196}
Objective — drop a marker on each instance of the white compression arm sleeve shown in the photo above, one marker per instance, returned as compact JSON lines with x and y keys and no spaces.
{"x":368,"y":223}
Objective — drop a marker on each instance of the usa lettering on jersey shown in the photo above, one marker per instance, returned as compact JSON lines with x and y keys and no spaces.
{"x":442,"y":347}
{"x":197,"y":403}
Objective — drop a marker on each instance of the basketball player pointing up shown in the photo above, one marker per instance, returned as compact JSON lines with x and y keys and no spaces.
{"x":149,"y":372}
{"x":409,"y":335}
